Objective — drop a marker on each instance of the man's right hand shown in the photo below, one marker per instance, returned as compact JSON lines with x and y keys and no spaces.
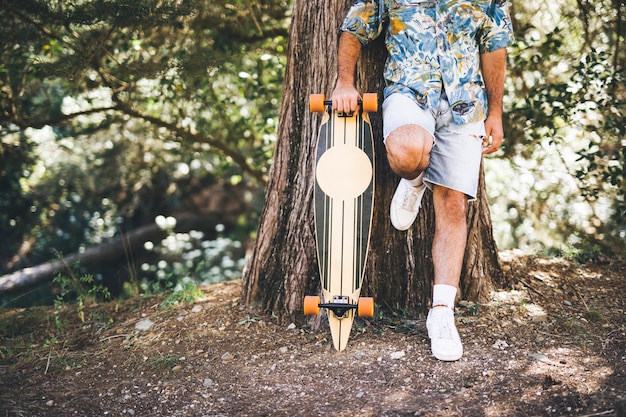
{"x":345,"y":98}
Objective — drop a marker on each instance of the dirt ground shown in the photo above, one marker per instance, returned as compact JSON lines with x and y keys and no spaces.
{"x":553,"y":345}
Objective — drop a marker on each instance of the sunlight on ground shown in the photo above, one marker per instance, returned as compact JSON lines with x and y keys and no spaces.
{"x":518,"y":298}
{"x":585,"y":375}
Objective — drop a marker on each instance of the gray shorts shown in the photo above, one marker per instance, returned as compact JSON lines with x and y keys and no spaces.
{"x":457,"y":153}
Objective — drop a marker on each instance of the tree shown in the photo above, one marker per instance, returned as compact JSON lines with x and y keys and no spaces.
{"x":283,"y":266}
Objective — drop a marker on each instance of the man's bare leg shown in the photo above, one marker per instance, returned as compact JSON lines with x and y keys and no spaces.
{"x":450,"y":234}
{"x":408,"y":152}
{"x":448,"y":252}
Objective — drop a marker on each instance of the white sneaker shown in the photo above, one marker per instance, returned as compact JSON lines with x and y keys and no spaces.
{"x":445,"y":341}
{"x":406,"y":203}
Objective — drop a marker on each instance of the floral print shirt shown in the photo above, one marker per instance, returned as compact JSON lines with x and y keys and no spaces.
{"x":434,"y":47}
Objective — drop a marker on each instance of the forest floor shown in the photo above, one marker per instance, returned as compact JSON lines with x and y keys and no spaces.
{"x":552,"y":345}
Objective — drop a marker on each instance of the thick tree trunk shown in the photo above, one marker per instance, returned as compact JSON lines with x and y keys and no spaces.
{"x":283,"y":267}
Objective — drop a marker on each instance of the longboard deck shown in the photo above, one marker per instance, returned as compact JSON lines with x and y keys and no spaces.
{"x":344,"y":196}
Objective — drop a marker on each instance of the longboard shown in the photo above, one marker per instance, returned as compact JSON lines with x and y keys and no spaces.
{"x":344,"y":200}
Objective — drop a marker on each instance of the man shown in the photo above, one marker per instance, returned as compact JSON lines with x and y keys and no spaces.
{"x":442,"y":111}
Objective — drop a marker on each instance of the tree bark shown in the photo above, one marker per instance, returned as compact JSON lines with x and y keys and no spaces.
{"x":283,"y":266}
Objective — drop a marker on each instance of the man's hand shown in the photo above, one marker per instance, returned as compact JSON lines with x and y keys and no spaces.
{"x":493,"y":67}
{"x":494,"y":136}
{"x":345,"y":98}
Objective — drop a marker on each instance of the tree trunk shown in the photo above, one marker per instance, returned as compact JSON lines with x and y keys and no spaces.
{"x":283,"y":267}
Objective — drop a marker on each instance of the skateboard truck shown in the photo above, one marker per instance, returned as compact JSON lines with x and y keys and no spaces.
{"x":340,"y":306}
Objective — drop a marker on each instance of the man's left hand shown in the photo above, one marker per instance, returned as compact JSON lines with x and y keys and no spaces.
{"x":494,"y":136}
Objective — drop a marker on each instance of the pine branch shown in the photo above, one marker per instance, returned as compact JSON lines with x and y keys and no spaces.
{"x":224,"y":150}
{"x":24,"y":123}
{"x":215,"y":144}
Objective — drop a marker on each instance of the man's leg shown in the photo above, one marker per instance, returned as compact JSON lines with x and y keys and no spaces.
{"x":450,"y":234}
{"x":408,"y":150}
{"x":408,"y":153}
{"x":408,"y":130}
{"x":448,"y":251}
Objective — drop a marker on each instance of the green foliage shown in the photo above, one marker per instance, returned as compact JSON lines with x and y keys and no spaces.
{"x":115,"y":112}
{"x":565,"y":133}
{"x":16,"y":214}
{"x":185,"y":293}
{"x":191,"y":260}
{"x":249,"y":321}
{"x":79,"y":291}
{"x":163,"y":363}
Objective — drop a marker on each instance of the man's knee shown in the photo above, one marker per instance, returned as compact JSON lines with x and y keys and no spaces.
{"x":450,"y":203}
{"x":408,"y":150}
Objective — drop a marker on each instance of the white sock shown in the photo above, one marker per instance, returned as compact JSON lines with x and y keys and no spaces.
{"x":444,"y":294}
{"x":417,"y":181}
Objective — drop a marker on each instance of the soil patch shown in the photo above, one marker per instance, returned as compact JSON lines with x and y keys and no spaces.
{"x":553,"y":345}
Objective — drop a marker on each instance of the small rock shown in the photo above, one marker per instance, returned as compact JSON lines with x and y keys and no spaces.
{"x":541,"y":358}
{"x":489,"y":373}
{"x":291,"y":326}
{"x":360,"y":394}
{"x":227,"y":357}
{"x":272,"y":369}
{"x":398,"y":355}
{"x":177,"y":368}
{"x":207,"y":382}
{"x":144,"y":325}
{"x":50,"y":403}
{"x":500,"y":344}
{"x":283,"y":349}
{"x":196,"y":309}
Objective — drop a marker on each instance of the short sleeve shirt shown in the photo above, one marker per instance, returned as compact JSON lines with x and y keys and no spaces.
{"x":434,"y":47}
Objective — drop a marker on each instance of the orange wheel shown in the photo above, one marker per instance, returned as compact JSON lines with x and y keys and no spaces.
{"x":311,"y":305}
{"x":370,"y":102}
{"x":316,"y":103}
{"x":365,"y":307}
